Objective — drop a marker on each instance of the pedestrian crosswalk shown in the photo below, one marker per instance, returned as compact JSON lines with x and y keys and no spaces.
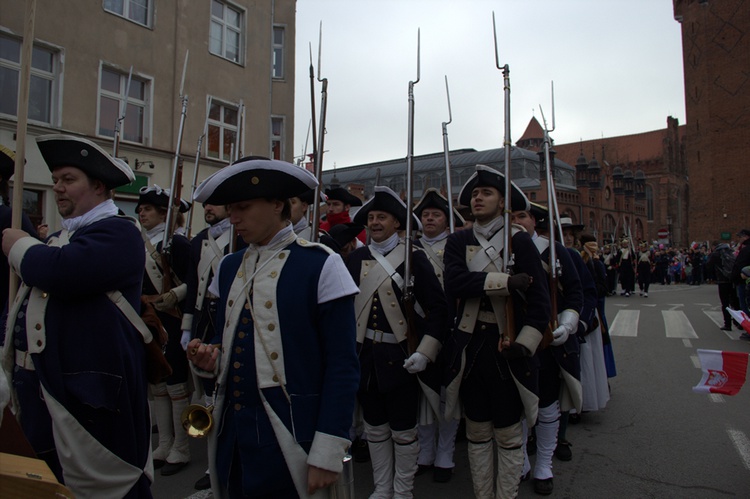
{"x":676,"y":322}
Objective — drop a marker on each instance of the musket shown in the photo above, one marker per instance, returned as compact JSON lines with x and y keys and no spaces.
{"x":507,"y":258}
{"x":319,"y":148}
{"x":238,"y":140}
{"x":27,"y":48}
{"x":510,"y":328}
{"x":121,"y":119}
{"x":553,"y":217}
{"x":408,"y":291}
{"x":446,"y":153}
{"x":174,"y":199}
{"x":194,"y":183}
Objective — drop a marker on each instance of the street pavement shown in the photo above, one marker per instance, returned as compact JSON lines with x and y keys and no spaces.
{"x":655,"y":439}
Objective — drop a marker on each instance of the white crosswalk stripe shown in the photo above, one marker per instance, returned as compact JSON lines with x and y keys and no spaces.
{"x":716,"y":316}
{"x":625,"y":323}
{"x":677,"y":324}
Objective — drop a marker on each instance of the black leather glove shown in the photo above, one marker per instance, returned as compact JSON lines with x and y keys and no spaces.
{"x":514,"y":351}
{"x":519,"y":282}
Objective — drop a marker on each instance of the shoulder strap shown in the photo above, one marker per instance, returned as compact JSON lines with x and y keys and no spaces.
{"x":127,"y":309}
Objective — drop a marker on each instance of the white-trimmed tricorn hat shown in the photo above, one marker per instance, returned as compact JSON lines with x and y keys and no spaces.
{"x":433,"y":199}
{"x":384,"y":199}
{"x":484,"y":176}
{"x":252,"y":179}
{"x":66,"y":150}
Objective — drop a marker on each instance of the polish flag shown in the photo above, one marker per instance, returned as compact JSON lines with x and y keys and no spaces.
{"x":723,"y":372}
{"x":740,"y":317}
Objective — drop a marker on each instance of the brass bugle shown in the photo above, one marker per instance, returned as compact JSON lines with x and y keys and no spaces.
{"x":197,"y":420}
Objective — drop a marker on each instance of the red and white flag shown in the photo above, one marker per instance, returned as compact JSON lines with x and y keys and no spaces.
{"x":740,"y":317}
{"x":723,"y":372}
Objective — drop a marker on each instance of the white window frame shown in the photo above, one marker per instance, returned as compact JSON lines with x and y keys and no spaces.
{"x":145,"y":104}
{"x":277,"y":138}
{"x":277,"y":67}
{"x":126,"y":11}
{"x":54,"y":77}
{"x":223,"y":127}
{"x":226,"y":27}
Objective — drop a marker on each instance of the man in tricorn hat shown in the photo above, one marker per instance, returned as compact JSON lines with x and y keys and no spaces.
{"x":165,"y":288}
{"x":76,"y":361}
{"x":393,"y":349}
{"x":287,"y":374}
{"x":437,"y":432}
{"x":560,"y":366}
{"x":627,"y":269}
{"x":339,"y":201}
{"x":494,"y":376}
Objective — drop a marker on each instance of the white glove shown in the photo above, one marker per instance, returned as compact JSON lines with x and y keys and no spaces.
{"x":416,"y":363}
{"x":185,"y":339}
{"x":567,"y":321}
{"x":166,"y":302}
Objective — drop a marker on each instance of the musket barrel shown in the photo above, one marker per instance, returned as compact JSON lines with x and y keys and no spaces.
{"x":446,"y":152}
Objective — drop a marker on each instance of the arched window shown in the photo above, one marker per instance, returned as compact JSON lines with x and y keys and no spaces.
{"x":649,"y":203}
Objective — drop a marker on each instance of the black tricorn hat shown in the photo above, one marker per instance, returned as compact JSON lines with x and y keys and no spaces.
{"x":7,"y":163}
{"x":309,"y":195}
{"x":66,"y":150}
{"x":256,"y":178}
{"x":344,"y":233}
{"x":433,"y":199}
{"x":484,"y":176}
{"x":539,"y":212}
{"x":384,"y":199}
{"x":341,"y":194}
{"x":156,"y":196}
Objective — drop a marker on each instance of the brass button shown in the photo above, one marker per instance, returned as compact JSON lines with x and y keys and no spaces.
{"x":39,"y":343}
{"x":245,"y":320}
{"x":374,"y":307}
{"x":389,"y":293}
{"x":365,"y":274}
{"x":375,"y":299}
{"x":367,"y":264}
{"x":230,"y":302}
{"x":236,"y":393}
{"x":275,"y":378}
{"x":236,"y":365}
{"x":400,"y":323}
{"x":247,"y":306}
{"x":274,"y":273}
{"x":274,"y":356}
{"x":45,"y":294}
{"x":374,"y":316}
{"x":241,"y":334}
{"x":38,"y":327}
{"x":237,"y":407}
{"x":240,"y":274}
{"x":237,"y":349}
{"x":393,"y":304}
{"x":374,"y":325}
{"x":282,"y":256}
{"x":236,"y":379}
{"x":271,"y":326}
{"x":483,"y":327}
{"x":269,"y":304}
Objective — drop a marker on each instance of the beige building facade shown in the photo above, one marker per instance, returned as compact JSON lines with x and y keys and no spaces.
{"x":238,"y":85}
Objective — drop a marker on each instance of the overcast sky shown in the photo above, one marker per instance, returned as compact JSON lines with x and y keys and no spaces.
{"x":616,"y":67}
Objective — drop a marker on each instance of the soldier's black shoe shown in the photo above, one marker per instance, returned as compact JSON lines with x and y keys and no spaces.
{"x":203,"y":483}
{"x":159,"y":463}
{"x":442,"y":475}
{"x":543,"y":487}
{"x":562,"y":451}
{"x":360,"y":451}
{"x":172,"y":468}
{"x":726,"y":328}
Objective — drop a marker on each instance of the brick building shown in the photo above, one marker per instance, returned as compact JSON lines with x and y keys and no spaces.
{"x":716,"y":60}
